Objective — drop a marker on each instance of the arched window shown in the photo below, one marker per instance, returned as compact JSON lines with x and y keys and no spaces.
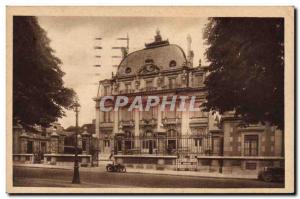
{"x":128,"y":70}
{"x":172,"y":63}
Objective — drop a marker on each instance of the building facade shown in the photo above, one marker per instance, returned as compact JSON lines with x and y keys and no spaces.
{"x":54,"y":145}
{"x":172,"y":139}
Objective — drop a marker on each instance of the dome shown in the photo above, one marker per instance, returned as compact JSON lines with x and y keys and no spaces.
{"x":157,"y":56}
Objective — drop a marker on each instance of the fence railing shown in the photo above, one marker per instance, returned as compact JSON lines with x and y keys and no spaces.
{"x":205,"y":144}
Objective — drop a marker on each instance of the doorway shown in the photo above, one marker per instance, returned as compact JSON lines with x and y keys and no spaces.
{"x":29,"y":146}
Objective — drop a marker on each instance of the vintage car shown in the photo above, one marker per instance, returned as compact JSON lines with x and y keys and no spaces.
{"x":271,"y":174}
{"x":115,"y":168}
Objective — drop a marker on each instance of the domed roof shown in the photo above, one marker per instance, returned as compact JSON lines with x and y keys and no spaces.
{"x":157,"y":56}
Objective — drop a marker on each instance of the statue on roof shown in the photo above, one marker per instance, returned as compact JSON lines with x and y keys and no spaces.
{"x":158,"y":36}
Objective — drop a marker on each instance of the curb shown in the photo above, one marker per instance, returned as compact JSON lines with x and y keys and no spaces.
{"x":190,"y":175}
{"x":145,"y":172}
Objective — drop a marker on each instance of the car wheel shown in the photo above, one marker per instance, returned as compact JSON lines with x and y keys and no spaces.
{"x":109,"y":169}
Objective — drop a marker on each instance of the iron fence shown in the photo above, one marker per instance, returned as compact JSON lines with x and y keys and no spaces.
{"x":206,"y":144}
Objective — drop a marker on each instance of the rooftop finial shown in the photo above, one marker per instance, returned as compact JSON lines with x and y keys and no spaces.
{"x":157,"y":36}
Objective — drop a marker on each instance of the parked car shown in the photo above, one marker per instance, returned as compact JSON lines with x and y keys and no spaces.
{"x":271,"y":174}
{"x":115,"y":168}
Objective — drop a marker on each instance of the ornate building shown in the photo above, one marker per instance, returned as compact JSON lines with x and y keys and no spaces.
{"x":168,"y":139}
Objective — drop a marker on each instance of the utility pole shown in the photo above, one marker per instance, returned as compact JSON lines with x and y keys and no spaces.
{"x":76,"y":177}
{"x":98,"y":47}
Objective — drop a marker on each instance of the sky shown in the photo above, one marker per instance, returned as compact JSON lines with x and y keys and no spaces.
{"x":73,"y":40}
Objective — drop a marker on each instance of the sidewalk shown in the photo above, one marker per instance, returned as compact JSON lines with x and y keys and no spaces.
{"x":101,"y":168}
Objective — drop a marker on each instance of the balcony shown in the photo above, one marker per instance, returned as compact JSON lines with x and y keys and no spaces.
{"x":148,"y":122}
{"x":106,"y":124}
{"x":128,"y":123}
{"x":167,"y":121}
{"x":199,"y":121}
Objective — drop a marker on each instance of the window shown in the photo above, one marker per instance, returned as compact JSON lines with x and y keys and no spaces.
{"x":44,"y":133}
{"x":171,"y":114}
{"x":198,"y":114}
{"x":251,"y":145}
{"x":151,"y":114}
{"x":106,"y":90}
{"x":172,"y":63}
{"x":149,"y":143}
{"x":106,"y":117}
{"x":129,"y":140}
{"x":198,"y":80}
{"x":125,"y":114}
{"x":172,"y":82}
{"x":128,"y":70}
{"x":128,"y":134}
{"x":172,"y":133}
{"x":198,"y":142}
{"x":128,"y":87}
{"x":106,"y":143}
{"x":149,"y":83}
{"x":172,"y":144}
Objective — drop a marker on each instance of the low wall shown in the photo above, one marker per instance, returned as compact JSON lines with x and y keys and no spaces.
{"x":67,"y":159}
{"x":147,"y":161}
{"x":24,"y":158}
{"x":219,"y":164}
{"x":238,"y":164}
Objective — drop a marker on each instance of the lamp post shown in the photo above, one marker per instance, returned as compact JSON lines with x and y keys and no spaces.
{"x":76,"y":177}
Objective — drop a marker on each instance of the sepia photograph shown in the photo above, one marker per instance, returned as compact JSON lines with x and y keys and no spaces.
{"x":150,"y":100}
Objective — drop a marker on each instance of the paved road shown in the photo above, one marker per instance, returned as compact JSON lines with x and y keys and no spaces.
{"x":25,"y":176}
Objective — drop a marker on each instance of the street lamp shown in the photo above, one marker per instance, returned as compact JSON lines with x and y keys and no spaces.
{"x":76,"y":177}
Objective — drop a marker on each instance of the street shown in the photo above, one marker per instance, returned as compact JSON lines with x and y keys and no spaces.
{"x":49,"y":177}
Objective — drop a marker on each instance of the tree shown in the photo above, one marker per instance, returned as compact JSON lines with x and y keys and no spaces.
{"x":246,"y":68}
{"x":39,"y":95}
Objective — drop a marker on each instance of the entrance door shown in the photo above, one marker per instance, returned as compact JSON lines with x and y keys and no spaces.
{"x":29,"y":146}
{"x":43,"y":147}
{"x":119,"y":145}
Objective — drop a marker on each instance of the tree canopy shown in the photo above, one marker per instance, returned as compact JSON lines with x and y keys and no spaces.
{"x":246,"y":68}
{"x":39,"y":95}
